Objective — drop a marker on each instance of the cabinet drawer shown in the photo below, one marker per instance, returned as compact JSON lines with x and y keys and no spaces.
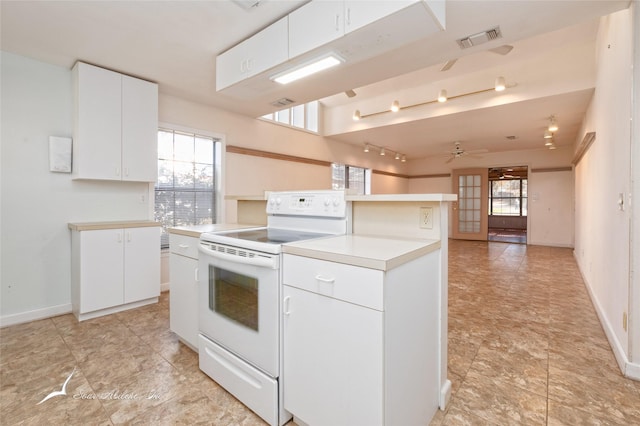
{"x":183,"y":245}
{"x":353,"y":284}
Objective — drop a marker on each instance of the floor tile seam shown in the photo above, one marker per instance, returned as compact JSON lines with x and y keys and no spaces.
{"x":597,"y":414}
{"x":451,"y":402}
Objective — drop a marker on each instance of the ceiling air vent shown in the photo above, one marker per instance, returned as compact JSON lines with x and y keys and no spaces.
{"x":480,"y":38}
{"x":282,"y":102}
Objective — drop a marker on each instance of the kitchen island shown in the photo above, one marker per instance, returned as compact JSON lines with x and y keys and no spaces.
{"x":360,"y":330}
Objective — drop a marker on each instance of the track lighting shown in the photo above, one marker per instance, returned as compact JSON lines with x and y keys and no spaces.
{"x":552,"y":147}
{"x":553,"y":124}
{"x":500,"y":85}
{"x":549,"y":143}
{"x":548,"y":134}
{"x":368,"y":147}
{"x":442,"y":96}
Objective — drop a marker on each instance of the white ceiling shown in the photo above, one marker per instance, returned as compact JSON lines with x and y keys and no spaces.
{"x":174,"y":43}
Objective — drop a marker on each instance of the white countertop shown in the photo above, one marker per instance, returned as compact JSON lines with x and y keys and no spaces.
{"x":368,"y":251}
{"x":196,"y":230}
{"x":403,"y":197}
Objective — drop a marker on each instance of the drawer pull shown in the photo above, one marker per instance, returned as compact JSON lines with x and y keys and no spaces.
{"x":325,"y":279}
{"x":183,"y":246}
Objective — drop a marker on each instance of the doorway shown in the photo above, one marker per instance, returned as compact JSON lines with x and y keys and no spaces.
{"x":508,"y":204}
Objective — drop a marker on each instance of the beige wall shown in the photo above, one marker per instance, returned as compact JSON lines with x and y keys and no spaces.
{"x":551,"y":218}
{"x":602,"y":229}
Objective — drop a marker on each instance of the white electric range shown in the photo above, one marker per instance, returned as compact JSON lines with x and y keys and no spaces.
{"x":240,"y":295}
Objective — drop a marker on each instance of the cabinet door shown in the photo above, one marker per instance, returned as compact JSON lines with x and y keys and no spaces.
{"x":183,"y":313}
{"x":141,"y":263}
{"x":315,"y":24}
{"x":101,"y":269}
{"x":268,"y":48}
{"x":139,"y":130}
{"x":258,"y":53}
{"x":98,"y":127}
{"x":359,"y":13}
{"x":333,"y":360}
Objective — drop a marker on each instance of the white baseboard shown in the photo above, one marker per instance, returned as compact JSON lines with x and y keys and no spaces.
{"x":632,"y":371}
{"x":627,"y":368}
{"x":445,"y":394}
{"x":38,"y":314}
{"x":164,"y":287}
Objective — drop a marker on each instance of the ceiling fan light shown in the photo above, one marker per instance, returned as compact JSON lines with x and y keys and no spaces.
{"x":548,"y":134}
{"x":553,"y":124}
{"x":442,"y":95}
{"x":500,"y":84}
{"x":356,"y":115}
{"x":395,"y":106}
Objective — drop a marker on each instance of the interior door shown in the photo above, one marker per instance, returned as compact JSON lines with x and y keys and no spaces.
{"x":470,"y":212}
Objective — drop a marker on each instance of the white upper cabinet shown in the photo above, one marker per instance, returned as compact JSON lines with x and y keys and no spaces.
{"x":315,"y":24}
{"x":115,"y":126}
{"x":358,"y":13}
{"x":139,"y":130}
{"x":256,"y":54}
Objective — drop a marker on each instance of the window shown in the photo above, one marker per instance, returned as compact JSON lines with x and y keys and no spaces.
{"x":508,"y":197}
{"x":303,"y":116}
{"x":355,"y":179}
{"x":186,"y":188}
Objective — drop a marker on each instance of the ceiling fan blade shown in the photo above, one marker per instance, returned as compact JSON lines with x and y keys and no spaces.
{"x":447,"y":65}
{"x":502,"y":50}
{"x":450,"y":160}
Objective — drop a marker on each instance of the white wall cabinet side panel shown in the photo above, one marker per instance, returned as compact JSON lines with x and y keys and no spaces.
{"x":315,"y":24}
{"x":97,"y":152}
{"x":333,"y":353}
{"x":359,"y":13}
{"x":258,"y":53}
{"x":139,"y":130}
{"x":183,"y":306}
{"x":141,"y":263}
{"x":101,"y":269}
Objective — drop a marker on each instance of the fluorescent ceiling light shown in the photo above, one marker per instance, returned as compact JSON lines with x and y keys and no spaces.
{"x":308,"y":69}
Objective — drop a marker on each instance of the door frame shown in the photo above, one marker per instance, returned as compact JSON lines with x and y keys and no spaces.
{"x":484,"y":204}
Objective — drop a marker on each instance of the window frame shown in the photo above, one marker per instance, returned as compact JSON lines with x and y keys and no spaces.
{"x":273,"y":117}
{"x":520,"y":197}
{"x":218,"y":168}
{"x":347,"y":183}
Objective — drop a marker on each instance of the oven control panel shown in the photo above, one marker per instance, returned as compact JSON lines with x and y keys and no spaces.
{"x":307,"y":203}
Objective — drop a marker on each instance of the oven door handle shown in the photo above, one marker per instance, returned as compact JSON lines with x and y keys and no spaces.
{"x":265,"y":261}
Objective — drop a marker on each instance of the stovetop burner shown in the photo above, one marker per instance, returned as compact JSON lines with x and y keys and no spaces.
{"x":272,"y":235}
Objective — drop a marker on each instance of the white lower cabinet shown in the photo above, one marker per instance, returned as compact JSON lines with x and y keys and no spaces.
{"x":333,"y":360}
{"x":360,"y":344}
{"x":113,"y":269}
{"x":183,"y":295}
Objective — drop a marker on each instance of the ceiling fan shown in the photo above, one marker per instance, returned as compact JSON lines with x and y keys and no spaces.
{"x":458,"y":152}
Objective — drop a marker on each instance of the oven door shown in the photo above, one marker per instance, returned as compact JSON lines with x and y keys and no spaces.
{"x":239,"y":302}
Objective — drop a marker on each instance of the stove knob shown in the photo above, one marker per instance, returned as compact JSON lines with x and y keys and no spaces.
{"x":278,"y":201}
{"x":327,"y":201}
{"x":272,"y":201}
{"x":336,"y":202}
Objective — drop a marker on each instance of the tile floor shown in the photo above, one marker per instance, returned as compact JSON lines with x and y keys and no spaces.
{"x":525,"y":347}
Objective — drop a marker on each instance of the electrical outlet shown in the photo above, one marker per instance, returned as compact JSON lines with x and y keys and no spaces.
{"x":426,"y":217}
{"x":143,"y":199}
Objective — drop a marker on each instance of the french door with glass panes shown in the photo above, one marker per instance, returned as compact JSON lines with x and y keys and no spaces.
{"x":470,"y":217}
